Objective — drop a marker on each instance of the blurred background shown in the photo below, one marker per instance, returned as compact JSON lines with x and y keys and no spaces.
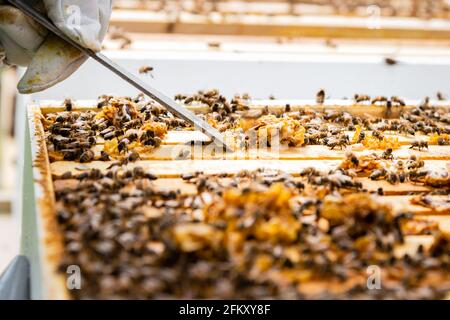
{"x":286,"y":49}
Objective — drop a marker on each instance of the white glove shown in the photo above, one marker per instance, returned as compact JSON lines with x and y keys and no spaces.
{"x":85,"y":21}
{"x":50,"y":59}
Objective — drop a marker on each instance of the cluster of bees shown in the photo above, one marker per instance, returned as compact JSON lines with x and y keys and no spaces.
{"x":260,"y":234}
{"x":386,"y":167}
{"x":380,"y":99}
{"x":257,"y":234}
{"x":323,"y":127}
{"x":125,"y":125}
{"x":215,"y":101}
{"x":129,"y":126}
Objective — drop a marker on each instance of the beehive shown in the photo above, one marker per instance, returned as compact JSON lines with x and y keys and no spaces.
{"x":173,"y":220}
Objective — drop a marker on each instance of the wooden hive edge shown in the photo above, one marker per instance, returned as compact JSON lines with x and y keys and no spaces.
{"x":49,"y":236}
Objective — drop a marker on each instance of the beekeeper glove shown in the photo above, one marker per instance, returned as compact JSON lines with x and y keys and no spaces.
{"x":49,"y":59}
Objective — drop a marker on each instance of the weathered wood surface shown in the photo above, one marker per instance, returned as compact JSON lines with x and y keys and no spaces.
{"x":171,"y":169}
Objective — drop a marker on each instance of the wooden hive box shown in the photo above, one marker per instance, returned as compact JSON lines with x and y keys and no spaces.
{"x":42,"y":239}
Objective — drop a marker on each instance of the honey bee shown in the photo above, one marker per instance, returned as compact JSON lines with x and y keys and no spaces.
{"x":87,"y":156}
{"x":425,"y":102}
{"x":146,"y":70}
{"x":148,"y":138}
{"x":59,"y":142}
{"x":65,"y":132}
{"x":392,"y":178}
{"x":180,"y":97}
{"x":341,"y":142}
{"x":116,"y":164}
{"x":416,"y":175}
{"x":211,"y":93}
{"x":361,"y":98}
{"x":139,"y":98}
{"x":158,"y":142}
{"x":91,"y":141}
{"x":314,"y":138}
{"x":103,"y":101}
{"x":104,"y":156}
{"x":320,"y":96}
{"x":398,"y":101}
{"x":123,"y":145}
{"x":174,"y":122}
{"x":419,"y":145}
{"x":68,"y":104}
{"x":189,"y":100}
{"x":361,"y":137}
{"x":132,"y":135}
{"x":353,"y":159}
{"x":108,"y":133}
{"x":309,"y":171}
{"x":246,"y":96}
{"x":414,"y":163}
{"x":387,"y":154}
{"x":440,"y":96}
{"x":378,"y":174}
{"x":62,"y":118}
{"x":66,"y":175}
{"x":188,"y":176}
{"x":71,"y":154}
{"x":133,"y":123}
{"x":379,"y":99}
{"x":407,"y":129}
{"x":378,"y":134}
{"x":428,"y":129}
{"x":443,"y":142}
{"x":133,"y":156}
{"x":390,"y":61}
{"x":201,"y":184}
